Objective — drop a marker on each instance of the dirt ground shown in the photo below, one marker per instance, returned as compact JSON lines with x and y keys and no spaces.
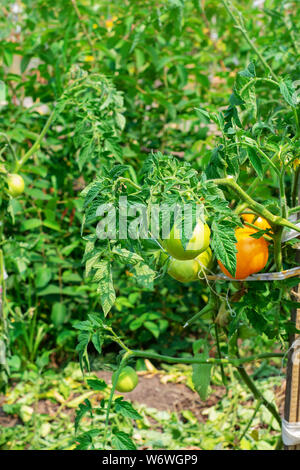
{"x":151,"y":392}
{"x":170,"y":396}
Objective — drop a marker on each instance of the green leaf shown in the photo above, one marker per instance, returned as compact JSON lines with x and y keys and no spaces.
{"x":96,"y":384}
{"x":201,"y":373}
{"x":58,"y":314}
{"x":105,"y":287}
{"x":153,"y":328}
{"x":127,"y":256}
{"x":97,"y":341}
{"x":122,"y":441}
{"x":288,"y":92}
{"x":43,"y":276}
{"x":223,"y":244}
{"x":30,"y":224}
{"x":126,"y":409}
{"x":82,"y":409}
{"x":144,"y":275}
{"x":255,"y":162}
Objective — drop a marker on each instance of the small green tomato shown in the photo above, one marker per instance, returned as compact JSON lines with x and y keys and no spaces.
{"x":127,"y":380}
{"x":16,"y":184}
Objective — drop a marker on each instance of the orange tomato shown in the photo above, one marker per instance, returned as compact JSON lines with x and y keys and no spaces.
{"x":260,"y":222}
{"x":252,"y":254}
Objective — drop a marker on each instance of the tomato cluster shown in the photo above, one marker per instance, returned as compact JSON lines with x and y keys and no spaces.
{"x":189,"y":263}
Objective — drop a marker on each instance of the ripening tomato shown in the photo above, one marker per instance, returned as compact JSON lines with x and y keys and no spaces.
{"x":191,"y":269}
{"x":252,"y":254}
{"x":198,"y":242}
{"x":16,"y":185}
{"x":127,"y":380}
{"x":260,"y":222}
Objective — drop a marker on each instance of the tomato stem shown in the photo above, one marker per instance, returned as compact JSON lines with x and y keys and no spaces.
{"x":193,"y":360}
{"x":257,"y":394}
{"x":123,"y":362}
{"x":36,"y":145}
{"x":258,"y":208}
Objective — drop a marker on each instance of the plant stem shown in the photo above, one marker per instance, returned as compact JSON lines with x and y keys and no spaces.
{"x":266,"y":237}
{"x":128,"y":181}
{"x":224,"y":379}
{"x":109,"y":403}
{"x":206,"y":309}
{"x":255,"y":80}
{"x":277,"y":250}
{"x":274,"y":220}
{"x":295,"y":187}
{"x":257,"y":394}
{"x":283,"y":205}
{"x":36,"y":145}
{"x":210,"y":360}
{"x":240,"y":26}
{"x":258,"y":405}
{"x":259,"y":150}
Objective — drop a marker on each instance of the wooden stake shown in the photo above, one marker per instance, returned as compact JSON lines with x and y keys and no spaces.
{"x":292,"y":394}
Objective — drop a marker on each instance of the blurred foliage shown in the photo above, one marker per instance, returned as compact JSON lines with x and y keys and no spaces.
{"x":161,"y":60}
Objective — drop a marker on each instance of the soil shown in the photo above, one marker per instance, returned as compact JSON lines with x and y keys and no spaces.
{"x":151,"y":392}
{"x":170,"y":396}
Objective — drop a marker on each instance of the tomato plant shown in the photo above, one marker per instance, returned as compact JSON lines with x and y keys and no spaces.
{"x":126,"y":108}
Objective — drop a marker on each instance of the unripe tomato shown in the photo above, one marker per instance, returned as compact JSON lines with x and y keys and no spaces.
{"x":127,"y":380}
{"x":252,"y":254}
{"x":197,"y":244}
{"x":260,"y":222}
{"x":188,"y":270}
{"x":16,"y":185}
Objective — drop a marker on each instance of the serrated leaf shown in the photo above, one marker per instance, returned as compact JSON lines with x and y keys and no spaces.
{"x":201,"y":374}
{"x":255,"y":162}
{"x":96,"y":384}
{"x":126,"y":409}
{"x":144,"y":275}
{"x":122,"y":441}
{"x":288,"y":92}
{"x":105,"y":286}
{"x":127,"y":256}
{"x":223,"y":244}
{"x":82,"y":409}
{"x":97,"y":341}
{"x":120,"y":120}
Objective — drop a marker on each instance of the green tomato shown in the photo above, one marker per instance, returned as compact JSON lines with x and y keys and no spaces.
{"x":127,"y":380}
{"x":16,"y":185}
{"x":197,"y":244}
{"x":190,"y":270}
